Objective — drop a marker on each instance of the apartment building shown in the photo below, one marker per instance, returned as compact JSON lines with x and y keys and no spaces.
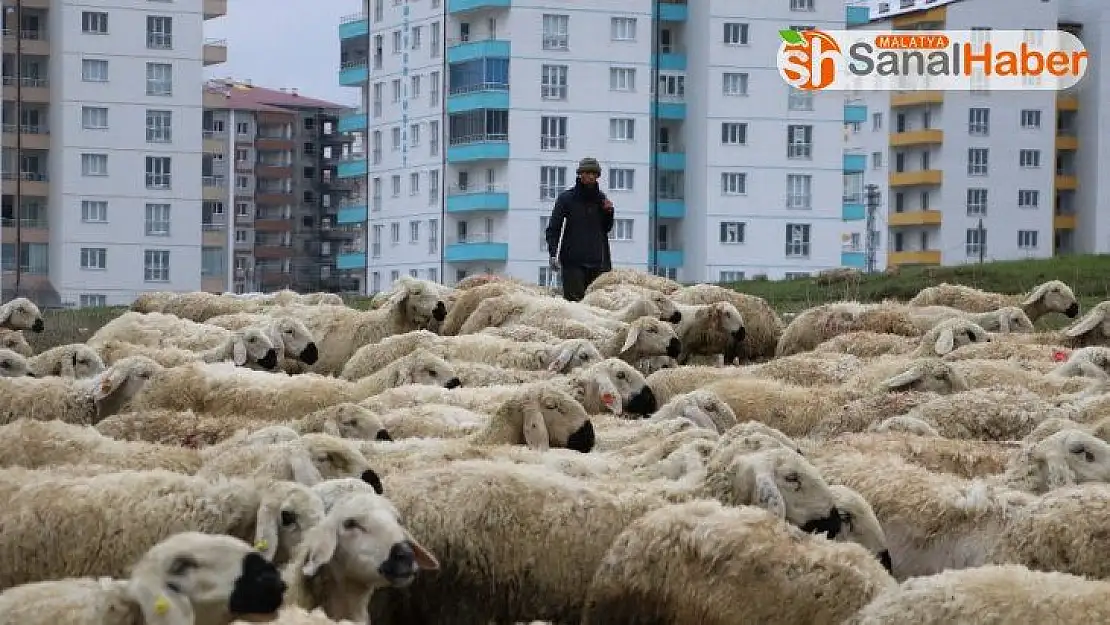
{"x":271,"y":191}
{"x":101,"y":158}
{"x":970,"y":176}
{"x":463,"y":164}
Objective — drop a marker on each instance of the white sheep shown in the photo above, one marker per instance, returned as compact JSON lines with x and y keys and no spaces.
{"x":85,"y":401}
{"x":76,"y":360}
{"x":246,"y":347}
{"x":15,"y":341}
{"x":13,"y":365}
{"x":821,"y":323}
{"x":702,"y":407}
{"x":21,"y":314}
{"x":1003,"y":320}
{"x":290,"y":337}
{"x":1052,"y":296}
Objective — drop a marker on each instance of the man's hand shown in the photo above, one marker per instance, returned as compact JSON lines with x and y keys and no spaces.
{"x":608,"y":205}
{"x":553,"y":263}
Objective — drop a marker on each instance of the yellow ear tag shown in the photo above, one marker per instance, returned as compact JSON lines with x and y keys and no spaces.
{"x":161,"y":605}
{"x":261,"y":545}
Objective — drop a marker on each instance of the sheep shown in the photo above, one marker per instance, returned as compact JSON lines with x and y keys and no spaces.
{"x":1003,"y":320}
{"x":480,"y":374}
{"x":21,"y":314}
{"x":564,"y":319}
{"x":648,"y":366}
{"x":808,"y":369}
{"x":486,"y":515}
{"x":621,"y":277}
{"x":13,"y":365}
{"x":904,"y":424}
{"x":709,"y":330}
{"x":702,"y":407}
{"x":859,"y":525}
{"x":646,"y":573}
{"x":1092,"y":362}
{"x":963,"y":458}
{"x":469,"y":299}
{"x":1092,"y":329}
{"x":867,"y":344}
{"x":199,"y":306}
{"x":1052,"y":296}
{"x":158,"y":330}
{"x":309,"y":459}
{"x":1003,"y":348}
{"x":432,"y":421}
{"x":86,"y":401}
{"x":14,"y":340}
{"x":68,"y":361}
{"x":243,"y":347}
{"x":667,"y":383}
{"x":522,"y":334}
{"x":763,"y":326}
{"x":152,"y":301}
{"x":817,"y":325}
{"x":293,"y":341}
{"x":189,"y":577}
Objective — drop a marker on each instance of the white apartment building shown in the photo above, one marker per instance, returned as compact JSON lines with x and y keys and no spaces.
{"x":977,"y":175}
{"x":477,"y":112}
{"x":102,"y":147}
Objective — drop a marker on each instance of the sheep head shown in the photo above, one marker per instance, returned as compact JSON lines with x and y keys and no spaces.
{"x":858,"y":524}
{"x":1092,"y":361}
{"x":705,"y":409}
{"x":1093,"y":326}
{"x":1066,"y":458}
{"x":13,"y":365}
{"x":544,"y":417}
{"x":77,"y":361}
{"x":633,"y":394}
{"x":1011,"y":319}
{"x":905,"y":424}
{"x":755,"y":429}
{"x":192,"y":577}
{"x":1053,"y":296}
{"x":425,"y":367}
{"x":14,"y":340}
{"x":722,"y":317}
{"x":664,"y":306}
{"x":115,"y":386}
{"x":416,"y":304}
{"x":22,"y":314}
{"x":295,"y":339}
{"x":252,"y":345}
{"x":950,"y":334}
{"x":286,"y":511}
{"x":348,"y":420}
{"x":573,"y":353}
{"x":928,"y":375}
{"x":327,"y":457}
{"x":647,"y":336}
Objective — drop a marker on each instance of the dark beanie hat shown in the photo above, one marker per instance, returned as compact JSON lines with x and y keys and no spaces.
{"x":589,"y":164}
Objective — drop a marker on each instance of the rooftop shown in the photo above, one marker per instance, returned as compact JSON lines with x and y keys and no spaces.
{"x":242,"y":95}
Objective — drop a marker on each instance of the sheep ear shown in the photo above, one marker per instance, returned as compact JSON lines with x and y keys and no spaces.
{"x":1084,"y":325}
{"x":304,"y":471}
{"x":159,"y":605}
{"x":535,"y":428}
{"x":425,"y":559}
{"x":319,"y":547}
{"x":562,"y":359}
{"x":107,"y":383}
{"x":945,"y":342}
{"x":608,"y":394}
{"x":903,"y":379}
{"x":767,"y":495}
{"x":266,"y":528}
{"x":694,"y":414}
{"x":633,"y":334}
{"x":1037,"y":294}
{"x":238,"y":351}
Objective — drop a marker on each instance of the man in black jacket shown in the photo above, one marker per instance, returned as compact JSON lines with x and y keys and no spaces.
{"x":581,"y":222}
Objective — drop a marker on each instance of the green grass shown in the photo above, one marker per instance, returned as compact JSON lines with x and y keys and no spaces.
{"x":1088,"y":276}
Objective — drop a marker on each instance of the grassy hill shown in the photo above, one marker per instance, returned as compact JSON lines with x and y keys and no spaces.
{"x":1089,"y":276}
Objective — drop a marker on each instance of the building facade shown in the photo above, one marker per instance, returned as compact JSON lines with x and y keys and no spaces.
{"x":101,"y":158}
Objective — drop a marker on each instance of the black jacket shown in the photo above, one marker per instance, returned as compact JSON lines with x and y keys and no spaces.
{"x":586,"y":242}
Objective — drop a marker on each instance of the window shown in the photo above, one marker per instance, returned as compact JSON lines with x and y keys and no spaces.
{"x":433,"y":137}
{"x":734,"y":133}
{"x":622,"y":79}
{"x":622,"y":129}
{"x":94,"y":258}
{"x":395,"y":233}
{"x":728,"y":277}
{"x":1030,"y":119}
{"x":94,"y":164}
{"x":622,"y":179}
{"x":433,"y":88}
{"x":433,"y":187}
{"x":735,"y":83}
{"x":797,"y":240}
{"x":395,"y":185}
{"x":158,"y":219}
{"x":433,"y":236}
{"x":976,"y":242}
{"x":242,"y":183}
{"x":242,"y":128}
{"x":801,"y":5}
{"x":622,"y":29}
{"x":414,"y":135}
{"x":553,"y":82}
{"x":414,"y":38}
{"x":1029,"y":158}
{"x":553,"y":133}
{"x":414,"y":87}
{"x":94,"y":117}
{"x":159,"y":126}
{"x":622,"y":230}
{"x":376,"y":245}
{"x":434,"y":45}
{"x":672,"y":86}
{"x":241,"y":236}
{"x":976,"y":202}
{"x":414,"y":183}
{"x":732,"y":232}
{"x":158,"y":172}
{"x":156,"y":265}
{"x":395,"y":86}
{"x":241,"y":155}
{"x":556,"y":32}
{"x":433,"y":274}
{"x":736,"y":34}
{"x":159,"y":79}
{"x":94,"y":22}
{"x":375,"y":282}
{"x":876,"y":160}
{"x":799,"y":141}
{"x":799,"y":191}
{"x":978,"y":160}
{"x":414,"y":273}
{"x":1027,"y":239}
{"x":94,"y":211}
{"x":549,"y":278}
{"x":734,"y":183}
{"x":799,"y":100}
{"x":242,"y":209}
{"x":552,"y":182}
{"x":94,"y":70}
{"x":396,"y":42}
{"x":1029,"y":198}
{"x":414,"y":232}
{"x":978,"y":122}
{"x":395,"y":138}
{"x":93,"y":300}
{"x":159,"y":32}
{"x":876,"y":121}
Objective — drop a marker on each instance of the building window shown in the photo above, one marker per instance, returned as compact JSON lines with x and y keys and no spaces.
{"x":395,"y":138}
{"x":732,"y":232}
{"x":242,"y":209}
{"x":550,"y":278}
{"x":376,"y":243}
{"x":797,"y":240}
{"x":1029,"y":198}
{"x":414,"y":135}
{"x":978,"y":122}
{"x":799,"y":100}
{"x":395,"y":89}
{"x":799,"y":141}
{"x":414,"y":183}
{"x":734,"y":183}
{"x":978,"y":161}
{"x":94,"y":211}
{"x":242,"y":128}
{"x":242,"y":183}
{"x":94,"y":164}
{"x":414,"y":232}
{"x":159,"y":126}
{"x":395,"y":233}
{"x":433,"y":187}
{"x":553,"y":134}
{"x":734,"y":133}
{"x":556,"y":32}
{"x":553,"y":82}
{"x":414,"y":87}
{"x":622,"y":29}
{"x":158,"y":220}
{"x":552,"y":182}
{"x":433,"y":137}
{"x":94,"y":258}
{"x":94,"y":70}
{"x":159,"y":32}
{"x":1027,"y":239}
{"x":876,"y":121}
{"x":158,"y":172}
{"x":976,"y":202}
{"x":799,"y":191}
{"x":93,"y":300}
{"x":433,"y":88}
{"x":159,"y":79}
{"x":395,"y":185}
{"x":876,"y":160}
{"x":1029,"y":158}
{"x":729,"y":277}
{"x":94,"y":117}
{"x":1030,"y":119}
{"x":397,"y":42}
{"x":801,"y":5}
{"x":433,"y":274}
{"x":672,"y":86}
{"x":622,"y":129}
{"x":622,"y":79}
{"x":241,"y":236}
{"x":736,"y":34}
{"x":622,"y":230}
{"x":94,"y":22}
{"x":414,"y":38}
{"x":735,"y":83}
{"x":156,"y":265}
{"x":433,"y":236}
{"x":375,"y":282}
{"x":976,"y":242}
{"x":622,"y":179}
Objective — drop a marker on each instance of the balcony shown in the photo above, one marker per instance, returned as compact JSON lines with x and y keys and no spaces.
{"x":353,"y":121}
{"x":853,"y":209}
{"x":462,"y":6}
{"x":666,"y":159}
{"x":857,"y":15}
{"x":354,"y":73}
{"x":31,"y":41}
{"x":490,"y":198}
{"x":32,"y":90}
{"x":671,"y":107}
{"x":214,"y":9}
{"x":1067,"y":182}
{"x":855,"y":113}
{"x":917,"y":18}
{"x":463,"y":51}
{"x":352,"y":213}
{"x":668,"y":259}
{"x":855,"y":163}
{"x":32,"y":136}
{"x":926,"y":136}
{"x":273,"y":225}
{"x":473,"y":148}
{"x":673,"y":11}
{"x":352,"y":167}
{"x":215,"y":51}
{"x":921,"y":177}
{"x":854,"y":259}
{"x":1067,"y":102}
{"x":1064,"y":222}
{"x":914,"y":218}
{"x":916,"y":98}
{"x":924,"y":257}
{"x":1066,"y":142}
{"x":476,"y":248}
{"x":480,"y":96}
{"x":670,"y":208}
{"x":354,"y":25}
{"x":673,"y":59}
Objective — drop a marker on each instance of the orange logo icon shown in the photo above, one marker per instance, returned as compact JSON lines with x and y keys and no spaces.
{"x":807,"y":59}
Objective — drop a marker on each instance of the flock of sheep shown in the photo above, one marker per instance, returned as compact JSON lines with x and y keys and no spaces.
{"x":492,"y":454}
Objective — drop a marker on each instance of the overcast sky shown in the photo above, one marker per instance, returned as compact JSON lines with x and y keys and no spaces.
{"x":294,"y":46}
